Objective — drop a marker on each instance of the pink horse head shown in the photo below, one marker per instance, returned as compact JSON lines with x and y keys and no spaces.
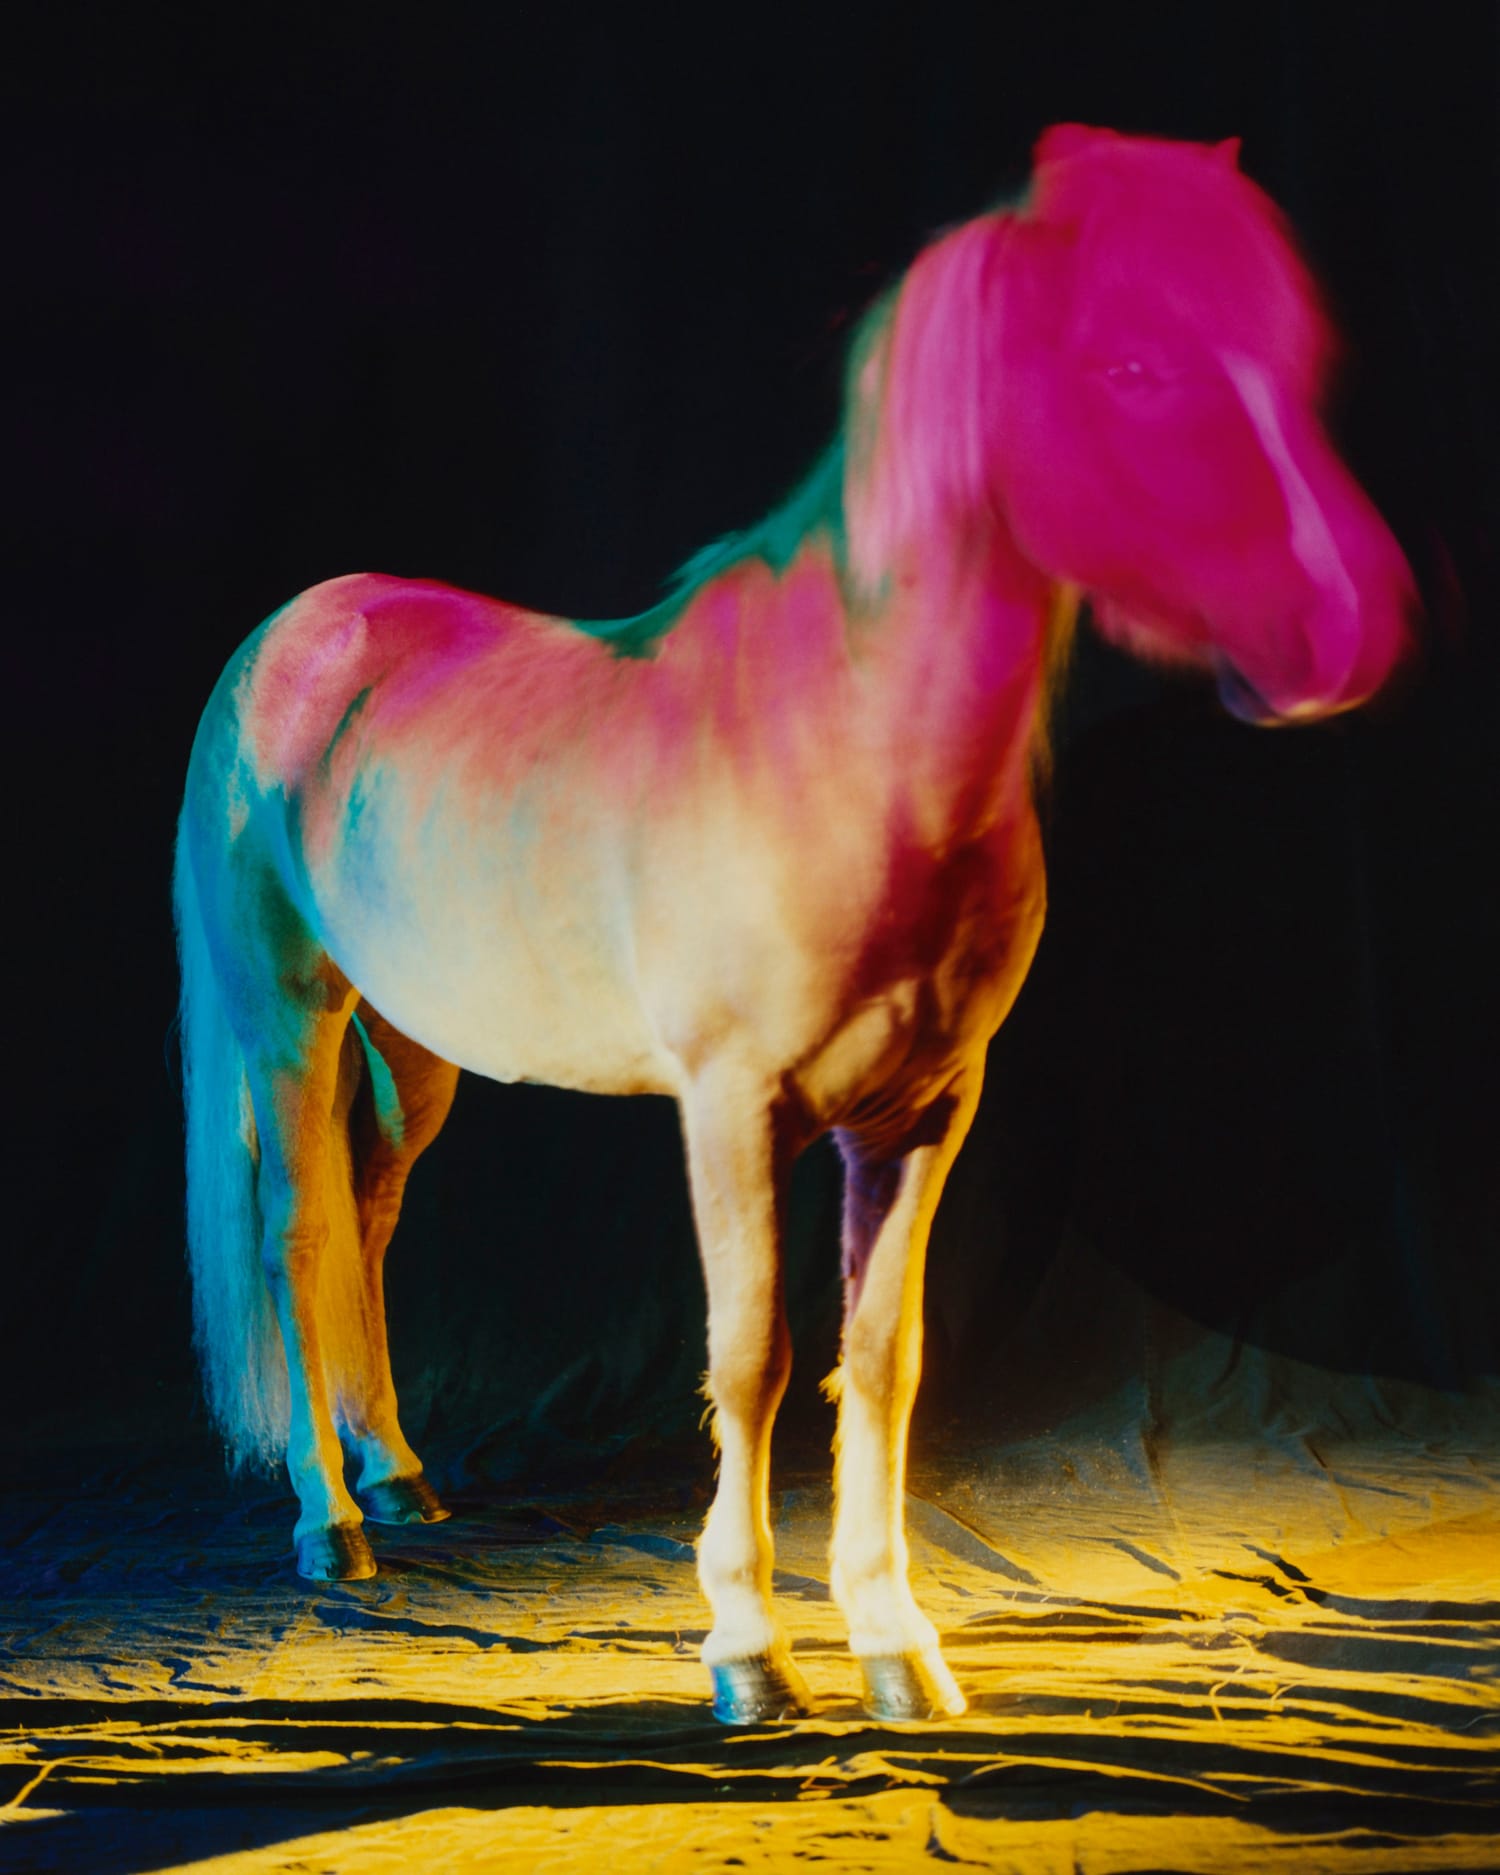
{"x":1156,"y":422}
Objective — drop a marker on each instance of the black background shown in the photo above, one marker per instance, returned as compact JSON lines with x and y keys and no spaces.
{"x":538,"y":301}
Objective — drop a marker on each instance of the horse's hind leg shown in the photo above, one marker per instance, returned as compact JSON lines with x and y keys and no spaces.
{"x":405,"y":1096}
{"x":889,"y":1201}
{"x":292,"y":1021}
{"x":737,"y":1183}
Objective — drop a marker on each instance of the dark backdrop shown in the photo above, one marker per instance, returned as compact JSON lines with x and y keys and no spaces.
{"x":537,"y":301}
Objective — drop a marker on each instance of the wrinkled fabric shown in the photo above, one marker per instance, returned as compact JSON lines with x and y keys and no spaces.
{"x":1186,"y":1644}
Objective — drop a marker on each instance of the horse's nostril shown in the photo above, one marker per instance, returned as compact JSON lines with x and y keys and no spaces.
{"x":1240,"y":697}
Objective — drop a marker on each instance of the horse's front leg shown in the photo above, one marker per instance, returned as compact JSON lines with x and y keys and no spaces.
{"x":890,"y":1197}
{"x":737,"y":1179}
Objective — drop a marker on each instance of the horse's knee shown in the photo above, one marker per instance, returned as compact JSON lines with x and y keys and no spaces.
{"x":881,"y":1360}
{"x":291,"y":1251}
{"x":747,"y":1380}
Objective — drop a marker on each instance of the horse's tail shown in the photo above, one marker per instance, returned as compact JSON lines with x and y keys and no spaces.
{"x":235,"y":1330}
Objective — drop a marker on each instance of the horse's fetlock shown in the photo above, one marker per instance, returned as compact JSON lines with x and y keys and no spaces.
{"x":739,"y":1578}
{"x":856,"y":1566}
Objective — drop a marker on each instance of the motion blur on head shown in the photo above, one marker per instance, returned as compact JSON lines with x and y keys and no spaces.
{"x":1162,"y":358}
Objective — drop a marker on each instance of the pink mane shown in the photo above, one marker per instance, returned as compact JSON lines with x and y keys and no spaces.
{"x":920,"y":441}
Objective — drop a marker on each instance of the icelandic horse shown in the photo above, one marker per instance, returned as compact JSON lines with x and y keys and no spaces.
{"x":769,"y":848}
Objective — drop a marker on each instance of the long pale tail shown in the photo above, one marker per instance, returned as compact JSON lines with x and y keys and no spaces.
{"x":234,"y":1323}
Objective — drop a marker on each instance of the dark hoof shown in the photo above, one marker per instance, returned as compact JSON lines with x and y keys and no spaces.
{"x":402,"y":1500}
{"x":910,"y":1686}
{"x":340,"y":1553}
{"x":749,"y":1692}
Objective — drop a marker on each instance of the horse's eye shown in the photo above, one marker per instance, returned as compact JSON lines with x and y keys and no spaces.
{"x":1129,"y":374}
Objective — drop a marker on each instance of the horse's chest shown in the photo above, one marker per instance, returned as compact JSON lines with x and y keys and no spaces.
{"x":930,"y":984}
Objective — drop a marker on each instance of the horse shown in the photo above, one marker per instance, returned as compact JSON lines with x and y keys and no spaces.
{"x":769,"y":848}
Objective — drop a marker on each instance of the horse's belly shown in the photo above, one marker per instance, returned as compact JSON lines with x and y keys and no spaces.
{"x":506,"y":982}
{"x":519,"y":1023}
{"x":524,"y":1026}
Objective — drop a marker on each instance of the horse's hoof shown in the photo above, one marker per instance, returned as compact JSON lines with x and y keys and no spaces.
{"x":402,"y":1500}
{"x":911,"y":1686}
{"x":341,"y":1553}
{"x":750,"y":1692}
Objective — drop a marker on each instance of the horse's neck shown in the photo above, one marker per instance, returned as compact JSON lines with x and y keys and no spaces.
{"x":960,"y":647}
{"x":959,"y":620}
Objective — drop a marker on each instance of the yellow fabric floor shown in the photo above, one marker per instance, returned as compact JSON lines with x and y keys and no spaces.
{"x":1236,"y":1656}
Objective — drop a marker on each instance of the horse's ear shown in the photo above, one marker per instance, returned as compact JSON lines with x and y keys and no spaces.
{"x":1064,"y":140}
{"x":1227,"y":153}
{"x":1039,"y":262}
